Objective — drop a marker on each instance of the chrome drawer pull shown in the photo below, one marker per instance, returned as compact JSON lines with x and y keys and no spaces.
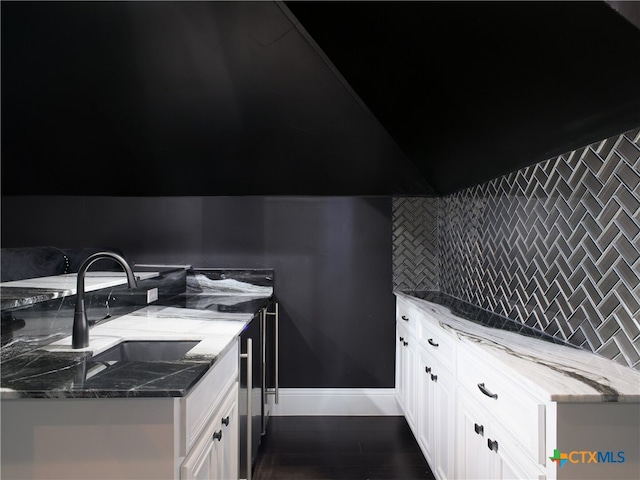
{"x":432,"y":343}
{"x":225,"y":421}
{"x":484,"y":390}
{"x":405,"y":318}
{"x":217,"y":436}
{"x":479,"y":429}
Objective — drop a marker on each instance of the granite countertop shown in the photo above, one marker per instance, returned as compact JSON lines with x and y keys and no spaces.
{"x":21,"y":293}
{"x":211,"y":311}
{"x":552,"y":370}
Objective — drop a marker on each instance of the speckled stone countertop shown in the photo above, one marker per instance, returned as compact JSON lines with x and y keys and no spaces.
{"x":552,"y":370}
{"x":214,"y":310}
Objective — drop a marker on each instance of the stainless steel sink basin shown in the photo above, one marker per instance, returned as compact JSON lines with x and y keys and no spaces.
{"x":146,"y":351}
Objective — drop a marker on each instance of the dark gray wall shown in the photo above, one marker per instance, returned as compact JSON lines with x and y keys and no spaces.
{"x":331,"y":255}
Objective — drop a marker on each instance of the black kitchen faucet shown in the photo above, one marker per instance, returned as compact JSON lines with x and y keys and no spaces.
{"x":80,"y":335}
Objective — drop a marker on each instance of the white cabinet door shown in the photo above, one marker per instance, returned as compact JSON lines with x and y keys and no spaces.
{"x":473,"y":462}
{"x":227,"y":454}
{"x":436,"y":414}
{"x":444,"y":420}
{"x":406,"y":387}
{"x":400,"y":368}
{"x":410,"y":378}
{"x":426,"y":408}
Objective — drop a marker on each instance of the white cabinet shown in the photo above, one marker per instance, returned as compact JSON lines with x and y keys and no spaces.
{"x":212,"y":423}
{"x":228,"y":455}
{"x":437,"y":381}
{"x":406,"y":374}
{"x":436,"y":414}
{"x":478,"y":414}
{"x":425,"y":387}
{"x":406,"y":364}
{"x":215,"y":455}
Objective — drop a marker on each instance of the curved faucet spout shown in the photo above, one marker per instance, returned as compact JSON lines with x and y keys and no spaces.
{"x":80,"y":334}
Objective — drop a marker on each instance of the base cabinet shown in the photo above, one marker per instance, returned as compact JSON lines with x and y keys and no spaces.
{"x":436,"y":414}
{"x":406,"y":362}
{"x":425,"y":388}
{"x":476,"y":418}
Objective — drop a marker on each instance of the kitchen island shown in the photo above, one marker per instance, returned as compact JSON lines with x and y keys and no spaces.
{"x":67,"y":416}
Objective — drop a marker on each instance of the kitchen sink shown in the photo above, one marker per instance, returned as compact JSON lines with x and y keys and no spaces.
{"x":146,"y":351}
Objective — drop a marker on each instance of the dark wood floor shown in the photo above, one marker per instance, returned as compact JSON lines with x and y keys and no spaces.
{"x":321,"y":448}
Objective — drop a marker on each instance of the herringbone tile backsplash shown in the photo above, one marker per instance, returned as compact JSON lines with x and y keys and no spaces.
{"x":555,"y":245}
{"x":415,"y":244}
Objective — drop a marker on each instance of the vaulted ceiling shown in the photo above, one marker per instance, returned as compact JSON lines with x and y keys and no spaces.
{"x":304,"y":98}
{"x":472,"y":90}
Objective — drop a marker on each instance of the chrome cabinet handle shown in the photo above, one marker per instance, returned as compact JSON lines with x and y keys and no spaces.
{"x":479,"y":429}
{"x":488,"y":393}
{"x":217,"y":436}
{"x":225,"y":421}
{"x":405,"y":318}
{"x":432,"y":343}
{"x":492,"y":445}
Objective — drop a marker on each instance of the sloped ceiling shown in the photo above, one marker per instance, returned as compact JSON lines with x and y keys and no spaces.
{"x":304,"y":98}
{"x":473,"y":90}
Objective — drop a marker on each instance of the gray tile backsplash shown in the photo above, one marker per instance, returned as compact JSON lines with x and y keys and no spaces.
{"x":555,"y":245}
{"x":415,"y":243}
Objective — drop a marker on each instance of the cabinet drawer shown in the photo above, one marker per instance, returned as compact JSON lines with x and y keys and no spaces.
{"x":407,"y":315}
{"x":437,"y":341}
{"x":197,"y":407}
{"x":519,"y":414}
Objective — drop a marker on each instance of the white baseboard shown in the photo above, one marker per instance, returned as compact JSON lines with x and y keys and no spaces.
{"x":336,"y":401}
